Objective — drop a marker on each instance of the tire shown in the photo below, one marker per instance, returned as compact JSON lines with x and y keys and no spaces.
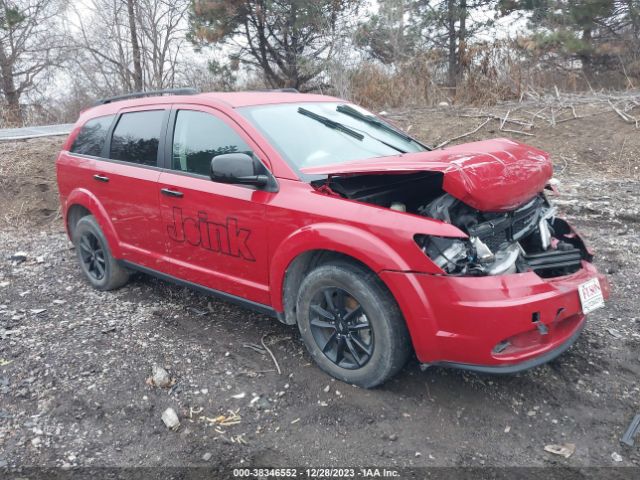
{"x":96,"y":262}
{"x":367,"y":324}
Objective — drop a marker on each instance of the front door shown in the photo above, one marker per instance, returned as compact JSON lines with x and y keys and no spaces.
{"x":215,"y":233}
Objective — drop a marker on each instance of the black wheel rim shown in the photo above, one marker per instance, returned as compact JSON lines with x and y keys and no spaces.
{"x":92,"y":255}
{"x":340,"y":328}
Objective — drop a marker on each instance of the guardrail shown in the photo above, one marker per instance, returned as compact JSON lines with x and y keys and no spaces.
{"x":22,"y":133}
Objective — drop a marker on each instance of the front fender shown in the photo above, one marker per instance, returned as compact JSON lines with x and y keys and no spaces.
{"x":88,"y":200}
{"x":354,"y":242}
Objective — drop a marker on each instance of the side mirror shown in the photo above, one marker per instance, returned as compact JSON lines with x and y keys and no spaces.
{"x":237,"y":168}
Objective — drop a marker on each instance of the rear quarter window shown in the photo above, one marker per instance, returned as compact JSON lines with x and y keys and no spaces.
{"x":137,"y":136}
{"x":92,"y":136}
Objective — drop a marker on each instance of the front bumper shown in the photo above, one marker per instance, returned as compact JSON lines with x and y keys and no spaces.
{"x":495,"y":324}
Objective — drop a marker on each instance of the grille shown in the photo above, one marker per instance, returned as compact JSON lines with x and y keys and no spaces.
{"x":525,"y":219}
{"x":514,"y":225}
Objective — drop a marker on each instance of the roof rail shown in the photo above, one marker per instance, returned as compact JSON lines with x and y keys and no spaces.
{"x":150,"y":93}
{"x":282,"y":90}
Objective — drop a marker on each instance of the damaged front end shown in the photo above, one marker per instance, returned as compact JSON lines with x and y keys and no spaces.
{"x":510,"y":287}
{"x":528,"y":238}
{"x":493,"y":191}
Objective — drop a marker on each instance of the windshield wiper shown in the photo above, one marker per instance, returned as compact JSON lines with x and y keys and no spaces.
{"x":352,"y":112}
{"x":330,"y":123}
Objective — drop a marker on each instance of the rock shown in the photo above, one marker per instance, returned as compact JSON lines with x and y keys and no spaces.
{"x":614,"y":333}
{"x":18,"y":257}
{"x":326,"y":389}
{"x":393,"y":437}
{"x":160,"y":377}
{"x":206,"y":457}
{"x":36,"y":441}
{"x":565,"y":450}
{"x":170,"y":419}
{"x":616,"y":457}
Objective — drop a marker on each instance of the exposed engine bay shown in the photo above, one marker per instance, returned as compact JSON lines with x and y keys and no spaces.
{"x":528,"y":238}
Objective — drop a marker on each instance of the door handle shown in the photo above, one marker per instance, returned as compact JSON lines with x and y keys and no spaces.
{"x":171,"y":193}
{"x":101,"y":178}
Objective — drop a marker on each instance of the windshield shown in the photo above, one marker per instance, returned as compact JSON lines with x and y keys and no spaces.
{"x":312,"y":134}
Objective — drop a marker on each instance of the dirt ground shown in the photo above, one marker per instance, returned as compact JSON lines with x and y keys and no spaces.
{"x":74,"y":361}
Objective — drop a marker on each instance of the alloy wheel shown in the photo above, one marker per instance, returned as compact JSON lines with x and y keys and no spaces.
{"x":340,"y":328}
{"x":92,"y":255}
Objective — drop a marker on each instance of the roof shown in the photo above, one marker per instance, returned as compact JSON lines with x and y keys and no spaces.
{"x":247,"y":99}
{"x":223,"y":99}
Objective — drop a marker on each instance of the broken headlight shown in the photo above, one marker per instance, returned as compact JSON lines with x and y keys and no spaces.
{"x":450,"y":254}
{"x":469,"y":256}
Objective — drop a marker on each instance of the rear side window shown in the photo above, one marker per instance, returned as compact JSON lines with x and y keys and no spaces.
{"x":137,"y":136}
{"x":92,"y":136}
{"x":198,"y":137}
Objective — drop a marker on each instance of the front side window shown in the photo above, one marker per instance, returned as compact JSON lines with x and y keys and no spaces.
{"x":198,"y":137}
{"x":327,"y":133}
{"x":92,"y":135}
{"x":137,"y":136}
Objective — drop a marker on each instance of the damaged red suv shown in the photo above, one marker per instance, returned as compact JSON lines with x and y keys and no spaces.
{"x":315,"y":211}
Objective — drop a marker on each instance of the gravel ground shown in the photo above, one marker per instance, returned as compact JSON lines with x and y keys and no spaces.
{"x":75,"y":363}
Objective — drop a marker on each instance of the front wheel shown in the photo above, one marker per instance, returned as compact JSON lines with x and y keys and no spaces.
{"x":351,"y":325}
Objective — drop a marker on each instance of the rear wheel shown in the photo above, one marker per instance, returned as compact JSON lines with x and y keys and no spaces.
{"x":96,"y":261}
{"x":351,"y":325}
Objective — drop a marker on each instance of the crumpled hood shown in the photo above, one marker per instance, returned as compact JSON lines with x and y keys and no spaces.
{"x":492,"y":175}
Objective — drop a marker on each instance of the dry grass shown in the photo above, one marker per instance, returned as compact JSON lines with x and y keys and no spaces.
{"x":494,"y":72}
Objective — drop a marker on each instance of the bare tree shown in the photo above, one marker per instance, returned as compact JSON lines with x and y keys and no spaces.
{"x":162,"y":28}
{"x":135,"y":46}
{"x":30,"y":44}
{"x":128,"y":45}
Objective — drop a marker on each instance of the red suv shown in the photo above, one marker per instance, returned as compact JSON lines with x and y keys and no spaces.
{"x":315,"y":211}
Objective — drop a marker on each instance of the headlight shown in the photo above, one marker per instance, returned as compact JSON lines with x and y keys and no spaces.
{"x":450,"y":254}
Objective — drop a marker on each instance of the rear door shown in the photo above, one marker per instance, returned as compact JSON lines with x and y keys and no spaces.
{"x":215,"y":233}
{"x":126,"y":183}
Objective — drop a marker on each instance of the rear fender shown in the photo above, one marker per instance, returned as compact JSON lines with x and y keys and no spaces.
{"x":88,"y":200}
